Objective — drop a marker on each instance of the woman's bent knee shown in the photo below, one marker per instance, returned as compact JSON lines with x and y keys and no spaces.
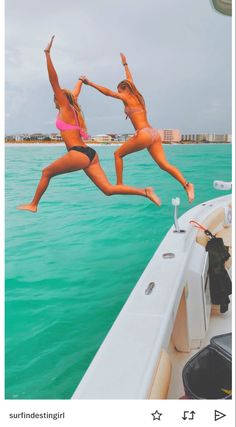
{"x":108,"y":191}
{"x":117,"y":154}
{"x":46,"y":173}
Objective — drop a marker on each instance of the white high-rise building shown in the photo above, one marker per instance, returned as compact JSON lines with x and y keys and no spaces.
{"x":170,"y":135}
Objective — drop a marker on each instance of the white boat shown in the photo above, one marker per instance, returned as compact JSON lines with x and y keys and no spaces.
{"x":168,"y":317}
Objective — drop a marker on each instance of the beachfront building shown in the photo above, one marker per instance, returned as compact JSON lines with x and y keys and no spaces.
{"x":213,"y":137}
{"x":102,"y":138}
{"x":118,"y":138}
{"x":201,"y":138}
{"x":113,"y":136}
{"x":192,"y":138}
{"x":56,"y":137}
{"x":170,"y":136}
{"x":9,"y":138}
{"x":37,"y":136}
{"x":18,"y":137}
{"x":123,"y":137}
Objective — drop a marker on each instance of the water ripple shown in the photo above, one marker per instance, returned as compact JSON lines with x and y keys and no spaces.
{"x":71,"y":266}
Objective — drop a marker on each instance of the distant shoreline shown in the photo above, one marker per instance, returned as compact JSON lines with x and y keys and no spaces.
{"x":98,"y":144}
{"x":56,"y":144}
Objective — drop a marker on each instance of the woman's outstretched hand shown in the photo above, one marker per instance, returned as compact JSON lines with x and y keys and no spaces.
{"x":123,"y":58}
{"x":85,"y":80}
{"x":48,"y":48}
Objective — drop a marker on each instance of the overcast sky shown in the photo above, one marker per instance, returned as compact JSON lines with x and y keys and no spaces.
{"x":178,"y":51}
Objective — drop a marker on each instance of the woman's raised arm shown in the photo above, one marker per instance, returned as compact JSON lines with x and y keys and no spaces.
{"x":60,"y":96}
{"x":105,"y":91}
{"x":127,"y":70}
{"x":77,"y":88}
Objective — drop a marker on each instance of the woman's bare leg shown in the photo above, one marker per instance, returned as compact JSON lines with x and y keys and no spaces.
{"x":139,"y":142}
{"x":132,"y":145}
{"x":98,"y":176}
{"x":158,"y":154}
{"x":70,"y":162}
{"x":119,"y":168}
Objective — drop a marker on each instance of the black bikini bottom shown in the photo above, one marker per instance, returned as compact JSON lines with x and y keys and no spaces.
{"x":88,"y":151}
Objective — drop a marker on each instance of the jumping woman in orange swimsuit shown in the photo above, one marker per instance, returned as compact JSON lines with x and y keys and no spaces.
{"x":72,"y":126}
{"x":145,"y":136}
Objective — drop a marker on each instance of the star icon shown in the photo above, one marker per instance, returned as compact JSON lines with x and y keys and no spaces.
{"x":156,"y":415}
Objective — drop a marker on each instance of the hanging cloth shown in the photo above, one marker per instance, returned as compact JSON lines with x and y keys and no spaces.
{"x":220,"y":282}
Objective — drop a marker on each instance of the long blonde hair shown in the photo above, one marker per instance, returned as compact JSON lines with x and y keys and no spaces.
{"x":131,"y":86}
{"x":77,"y":108}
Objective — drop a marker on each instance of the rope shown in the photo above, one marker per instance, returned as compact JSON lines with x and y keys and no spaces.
{"x":197,"y":225}
{"x":202,"y":227}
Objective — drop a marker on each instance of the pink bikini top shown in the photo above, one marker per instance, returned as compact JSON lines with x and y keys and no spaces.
{"x":130,"y":110}
{"x":63,"y":126}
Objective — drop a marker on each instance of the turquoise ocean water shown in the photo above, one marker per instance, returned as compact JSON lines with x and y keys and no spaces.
{"x":71,"y":266}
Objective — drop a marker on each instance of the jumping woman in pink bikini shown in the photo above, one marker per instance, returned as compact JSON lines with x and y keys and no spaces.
{"x":145,"y":136}
{"x":72,"y":126}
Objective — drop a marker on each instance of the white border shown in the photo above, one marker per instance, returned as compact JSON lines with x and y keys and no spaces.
{"x":112,"y":413}
{"x":121,"y":413}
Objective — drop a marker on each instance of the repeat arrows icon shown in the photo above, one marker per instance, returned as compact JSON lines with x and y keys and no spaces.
{"x":187,"y":418}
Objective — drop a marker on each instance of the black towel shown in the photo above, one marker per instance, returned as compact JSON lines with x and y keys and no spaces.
{"x":220,"y":282}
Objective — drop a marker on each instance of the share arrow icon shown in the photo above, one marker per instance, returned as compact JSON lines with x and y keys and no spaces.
{"x":219,"y":415}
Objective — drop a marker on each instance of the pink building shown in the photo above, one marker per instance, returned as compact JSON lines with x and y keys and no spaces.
{"x":170,"y":135}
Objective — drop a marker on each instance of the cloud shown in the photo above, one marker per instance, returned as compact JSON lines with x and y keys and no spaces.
{"x":180,"y":55}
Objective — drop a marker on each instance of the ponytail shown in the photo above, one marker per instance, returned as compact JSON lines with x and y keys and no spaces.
{"x":134,"y":91}
{"x":77,"y":108}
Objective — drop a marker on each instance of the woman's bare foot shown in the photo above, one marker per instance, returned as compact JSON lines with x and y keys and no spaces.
{"x":29,"y":207}
{"x":152,"y":196}
{"x":189,"y":188}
